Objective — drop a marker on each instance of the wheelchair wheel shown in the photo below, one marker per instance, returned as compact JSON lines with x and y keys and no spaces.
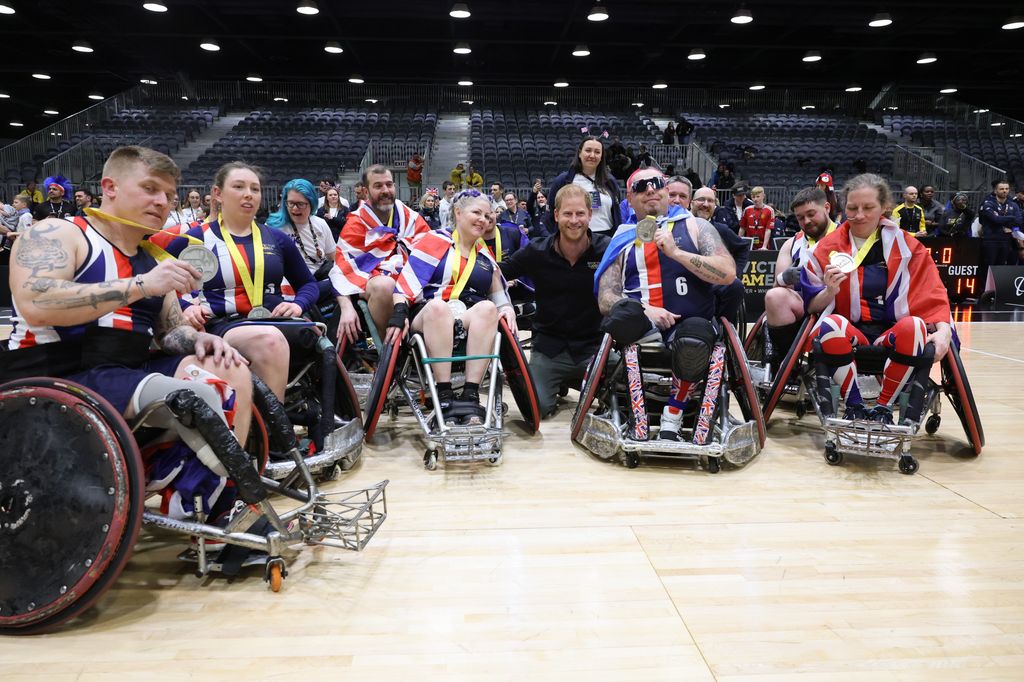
{"x":258,"y":442}
{"x":740,"y":383}
{"x":346,"y":402}
{"x":381,"y":385}
{"x":518,"y":377}
{"x":787,"y":367}
{"x":958,"y":392}
{"x":71,"y":501}
{"x":591,"y":382}
{"x":753,"y":344}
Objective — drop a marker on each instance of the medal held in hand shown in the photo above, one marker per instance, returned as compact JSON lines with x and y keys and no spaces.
{"x":645,"y":230}
{"x":258,"y":313}
{"x":202,"y":259}
{"x":844,"y":261}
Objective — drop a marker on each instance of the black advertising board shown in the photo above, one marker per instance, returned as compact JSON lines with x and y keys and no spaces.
{"x":758,"y":277}
{"x":1009,"y":284}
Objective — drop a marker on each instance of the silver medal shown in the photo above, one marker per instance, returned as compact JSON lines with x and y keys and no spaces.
{"x":259,"y":313}
{"x":645,"y":229}
{"x":844,"y":261}
{"x":457,"y":307}
{"x":202,"y":259}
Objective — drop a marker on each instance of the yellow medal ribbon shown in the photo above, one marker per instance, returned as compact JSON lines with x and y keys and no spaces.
{"x":497,"y":244}
{"x":463,"y":278}
{"x":149,"y":247}
{"x":862,"y":253}
{"x":828,"y":230}
{"x":252,"y":283}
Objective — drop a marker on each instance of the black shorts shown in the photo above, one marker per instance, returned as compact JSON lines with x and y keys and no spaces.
{"x":117,"y":383}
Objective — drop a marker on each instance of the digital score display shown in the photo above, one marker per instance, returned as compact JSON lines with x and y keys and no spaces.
{"x":959,"y":264}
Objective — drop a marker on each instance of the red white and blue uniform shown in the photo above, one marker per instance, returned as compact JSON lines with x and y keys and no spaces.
{"x":368,"y":247}
{"x":430,"y":271}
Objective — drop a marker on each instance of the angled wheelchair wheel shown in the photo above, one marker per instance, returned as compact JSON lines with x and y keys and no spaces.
{"x":958,"y":392}
{"x":787,"y":367}
{"x":381,"y":384}
{"x":258,"y":442}
{"x":71,"y":501}
{"x":753,"y":338}
{"x":740,"y":383}
{"x":346,"y":402}
{"x":518,"y":377}
{"x":591,"y":383}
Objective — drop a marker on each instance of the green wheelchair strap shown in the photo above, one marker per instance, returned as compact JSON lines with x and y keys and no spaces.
{"x":458,"y":358}
{"x":370,"y":326}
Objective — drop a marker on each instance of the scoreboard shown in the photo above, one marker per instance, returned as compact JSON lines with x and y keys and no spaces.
{"x":959,"y":264}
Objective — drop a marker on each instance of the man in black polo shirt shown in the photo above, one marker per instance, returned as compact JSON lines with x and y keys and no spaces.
{"x":566,"y":328}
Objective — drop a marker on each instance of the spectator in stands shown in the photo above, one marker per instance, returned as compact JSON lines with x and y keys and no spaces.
{"x":758,"y":220}
{"x":445,"y":205}
{"x":473,"y":180}
{"x":957,"y":219}
{"x":33,"y":194}
{"x":694,"y":179}
{"x":56,"y":204}
{"x":566,"y":329}
{"x":513,"y":215}
{"x":909,"y":215}
{"x":497,"y":197}
{"x":998,"y":217}
{"x":368,"y":252}
{"x":20,"y":217}
{"x":644,"y":159}
{"x":333,"y":211}
{"x":193,"y":208}
{"x":539,"y":209}
{"x":414,"y":174}
{"x":83,"y":200}
{"x":429,"y":211}
{"x":683,"y":130}
{"x":503,"y":238}
{"x":826,"y":183}
{"x":932,"y":209}
{"x":457,"y":176}
{"x":325,"y":185}
{"x":360,"y":192}
{"x":1019,"y":199}
{"x":738,"y":205}
{"x":175,"y":217}
{"x":669,"y":136}
{"x":723,"y":177}
{"x":207,"y":204}
{"x":589,"y":170}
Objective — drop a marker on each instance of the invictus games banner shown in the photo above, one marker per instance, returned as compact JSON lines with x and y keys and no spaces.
{"x":758,"y":277}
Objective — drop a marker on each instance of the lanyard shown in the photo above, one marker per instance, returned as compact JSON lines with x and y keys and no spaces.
{"x":862,"y":253}
{"x":497,"y":245}
{"x":828,"y":230}
{"x":461,"y":279}
{"x":671,"y":229}
{"x":253,"y":289}
{"x":149,"y":247}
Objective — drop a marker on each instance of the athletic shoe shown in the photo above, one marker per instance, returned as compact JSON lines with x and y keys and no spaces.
{"x":881,"y":414}
{"x":856,"y":411}
{"x":670,"y":425}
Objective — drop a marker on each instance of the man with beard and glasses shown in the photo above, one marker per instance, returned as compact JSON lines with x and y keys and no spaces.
{"x":730,"y":296}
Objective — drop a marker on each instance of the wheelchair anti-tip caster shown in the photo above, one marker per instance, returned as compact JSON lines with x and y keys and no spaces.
{"x":832,"y":455}
{"x":430,"y":459}
{"x":801,"y":409}
{"x":932,"y":425}
{"x":494,"y":461}
{"x":908,"y":464}
{"x":275,"y":573}
{"x":714,"y":465}
{"x":631,"y":460}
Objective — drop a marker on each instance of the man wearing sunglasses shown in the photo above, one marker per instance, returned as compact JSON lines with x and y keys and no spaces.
{"x":667,"y":278}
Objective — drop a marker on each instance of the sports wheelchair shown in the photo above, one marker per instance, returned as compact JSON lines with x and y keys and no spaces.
{"x":413,"y":385}
{"x":630,"y":396}
{"x":320,"y":401}
{"x":803,"y":373}
{"x":72,"y":498}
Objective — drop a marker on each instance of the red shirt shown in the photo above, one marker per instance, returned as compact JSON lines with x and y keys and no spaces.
{"x":755,"y":222}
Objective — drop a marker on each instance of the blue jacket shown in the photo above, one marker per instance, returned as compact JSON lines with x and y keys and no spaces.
{"x":564,"y":179}
{"x":994,"y":217}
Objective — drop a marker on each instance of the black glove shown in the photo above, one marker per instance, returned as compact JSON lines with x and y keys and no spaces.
{"x":790,"y":276}
{"x":400,"y":316}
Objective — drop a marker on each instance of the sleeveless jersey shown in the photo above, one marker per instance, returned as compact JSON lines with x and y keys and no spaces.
{"x":104,"y":262}
{"x":653,"y":278}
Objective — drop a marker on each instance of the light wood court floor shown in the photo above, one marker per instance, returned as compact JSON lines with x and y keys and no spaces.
{"x":557,"y":566}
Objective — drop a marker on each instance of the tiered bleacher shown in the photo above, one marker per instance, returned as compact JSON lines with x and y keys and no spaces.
{"x":514,"y":145}
{"x":312,"y":142}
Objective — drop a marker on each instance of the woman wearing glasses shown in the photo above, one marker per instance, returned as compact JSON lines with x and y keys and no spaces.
{"x":589,"y":170}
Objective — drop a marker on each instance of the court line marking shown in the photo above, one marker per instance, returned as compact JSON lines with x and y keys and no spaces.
{"x":993,"y":355}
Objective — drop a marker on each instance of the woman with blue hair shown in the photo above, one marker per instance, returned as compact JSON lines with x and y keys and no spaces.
{"x":313,"y":237}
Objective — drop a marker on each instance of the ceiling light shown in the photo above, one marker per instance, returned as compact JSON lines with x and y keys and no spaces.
{"x":881,"y":20}
{"x":854,"y":88}
{"x":561,"y":84}
{"x":724,"y":106}
{"x":17,"y":124}
{"x":356,"y":79}
{"x":1016,"y":134}
{"x":50,"y":112}
{"x":812,"y":56}
{"x":742,"y":16}
{"x":581,"y":51}
{"x":147,"y":81}
{"x":892,"y":108}
{"x":96,"y":96}
{"x":550,"y":103}
{"x":333,"y":47}
{"x":6,"y":9}
{"x":185,"y":97}
{"x":947,"y":91}
{"x":82,"y":46}
{"x":467,"y":101}
{"x":927,"y":58}
{"x":254,"y":78}
{"x":462,"y":48}
{"x":41,"y":76}
{"x":980,"y":111}
{"x":465,"y":83}
{"x":459,"y":10}
{"x":597,"y":13}
{"x":638,"y":104}
{"x":307,"y":7}
{"x":280,"y":99}
{"x":660,"y":85}
{"x":807,"y":106}
{"x":4,"y":95}
{"x":996,"y":124}
{"x":696,"y":54}
{"x":1012,"y":25}
{"x":757,"y":86}
{"x":370,"y":100}
{"x":154,"y":6}
{"x":210,"y":45}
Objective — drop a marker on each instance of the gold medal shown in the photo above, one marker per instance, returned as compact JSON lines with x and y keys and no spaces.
{"x":646,"y":229}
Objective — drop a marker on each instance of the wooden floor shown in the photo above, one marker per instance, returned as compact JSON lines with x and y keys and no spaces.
{"x":557,"y":566}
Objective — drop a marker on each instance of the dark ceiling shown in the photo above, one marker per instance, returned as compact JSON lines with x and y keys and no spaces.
{"x":526,"y":42}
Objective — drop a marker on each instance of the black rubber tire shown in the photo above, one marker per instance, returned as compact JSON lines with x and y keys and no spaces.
{"x":788,"y":364}
{"x":740,"y":383}
{"x":518,"y":377}
{"x":591,"y":383}
{"x":958,"y":392}
{"x":381,"y":385}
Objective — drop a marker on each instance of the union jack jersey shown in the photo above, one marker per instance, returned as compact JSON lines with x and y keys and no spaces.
{"x":429,"y":272}
{"x":104,"y":262}
{"x":802,"y":248}
{"x":367,"y":248}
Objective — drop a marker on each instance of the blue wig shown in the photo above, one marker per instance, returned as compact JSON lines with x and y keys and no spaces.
{"x":281,"y":217}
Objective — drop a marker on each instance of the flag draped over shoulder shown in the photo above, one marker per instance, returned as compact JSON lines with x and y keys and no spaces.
{"x":627,"y":237}
{"x":368,"y":247}
{"x":429,"y":272}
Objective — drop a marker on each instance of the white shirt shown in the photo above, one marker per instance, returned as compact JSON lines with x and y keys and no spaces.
{"x":314,"y":235}
{"x":445,"y":214}
{"x":601,"y":216}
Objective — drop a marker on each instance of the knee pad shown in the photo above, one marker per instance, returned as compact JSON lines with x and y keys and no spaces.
{"x":691,"y":348}
{"x":626,"y":322}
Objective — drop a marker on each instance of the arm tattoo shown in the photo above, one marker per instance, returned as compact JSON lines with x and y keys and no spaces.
{"x":708,"y":241}
{"x":700,"y":264}
{"x":79,"y":298}
{"x":39,"y":253}
{"x":609,"y":289}
{"x":180,"y":341}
